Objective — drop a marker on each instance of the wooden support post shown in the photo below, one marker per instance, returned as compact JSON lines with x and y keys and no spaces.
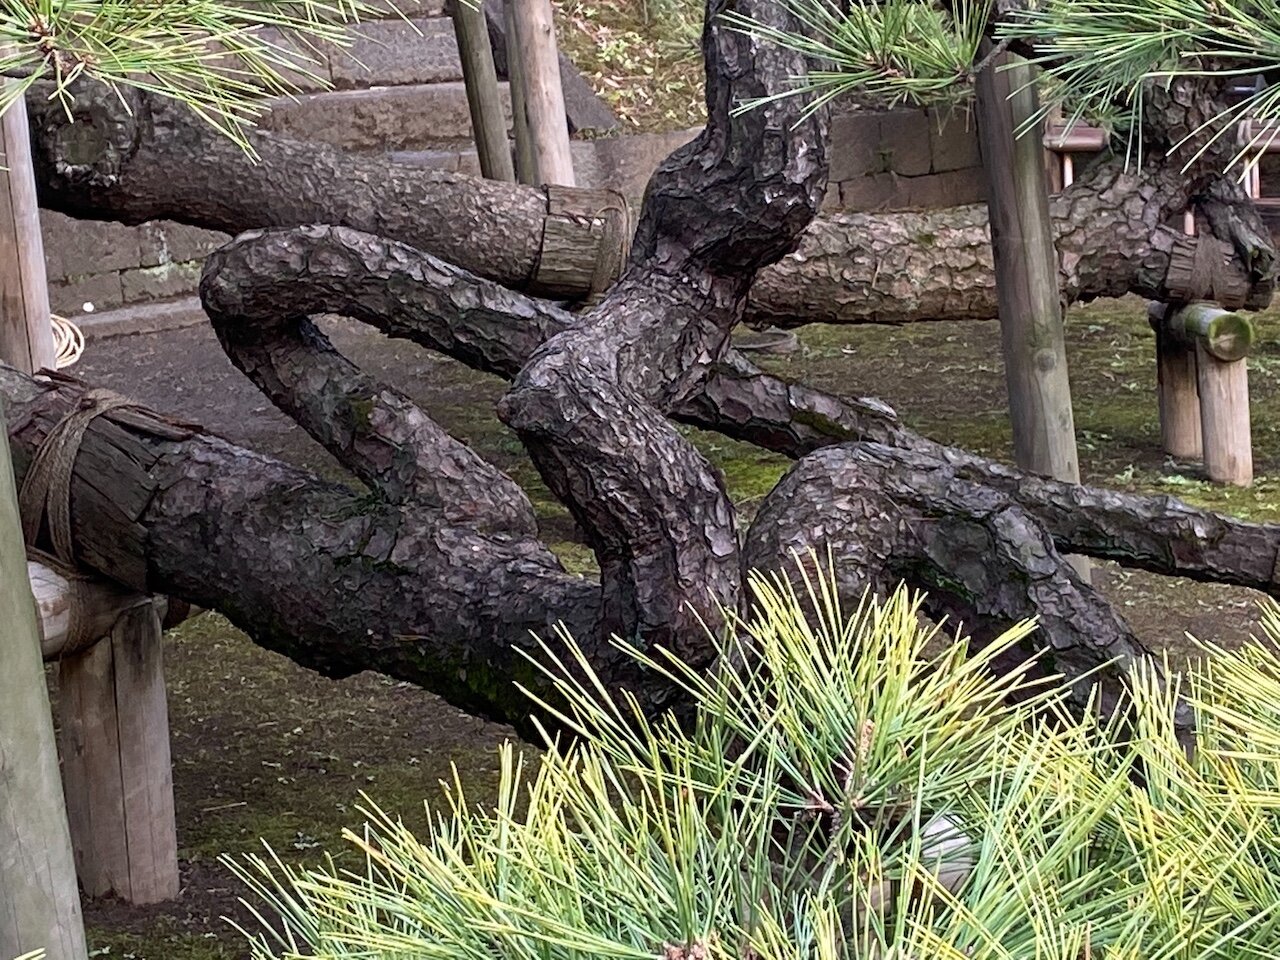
{"x":39,"y":902}
{"x":543,"y":96}
{"x":1026,"y":262}
{"x":1219,"y":341}
{"x":26,"y":332}
{"x":525,"y":168}
{"x":1179,"y":396}
{"x":116,"y":763}
{"x":1224,"y":418}
{"x":488,"y":120}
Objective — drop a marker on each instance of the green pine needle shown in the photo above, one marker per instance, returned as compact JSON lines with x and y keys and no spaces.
{"x":857,"y":786}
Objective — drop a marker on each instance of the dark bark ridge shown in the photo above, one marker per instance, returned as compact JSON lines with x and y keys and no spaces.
{"x":435,"y":574}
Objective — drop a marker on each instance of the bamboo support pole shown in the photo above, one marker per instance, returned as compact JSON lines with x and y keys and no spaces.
{"x":488,"y":120}
{"x":1225,"y":334}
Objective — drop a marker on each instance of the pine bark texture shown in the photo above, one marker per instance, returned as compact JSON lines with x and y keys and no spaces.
{"x":434,"y":573}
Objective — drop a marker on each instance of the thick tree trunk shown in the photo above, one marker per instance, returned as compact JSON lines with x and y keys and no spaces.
{"x":153,"y":160}
{"x":435,"y":575}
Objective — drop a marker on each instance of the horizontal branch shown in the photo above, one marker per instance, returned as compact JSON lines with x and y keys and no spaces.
{"x":849,"y":268}
{"x":332,"y":578}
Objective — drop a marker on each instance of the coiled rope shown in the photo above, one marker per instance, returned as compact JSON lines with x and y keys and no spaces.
{"x":68,"y":341}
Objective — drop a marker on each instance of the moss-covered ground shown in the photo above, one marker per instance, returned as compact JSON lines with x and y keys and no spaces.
{"x":264,"y":750}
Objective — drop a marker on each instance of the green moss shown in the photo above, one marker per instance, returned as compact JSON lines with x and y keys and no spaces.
{"x":160,"y":941}
{"x":577,"y":558}
{"x":362,"y":409}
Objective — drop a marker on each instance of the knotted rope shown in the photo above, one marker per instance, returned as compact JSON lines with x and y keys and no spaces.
{"x":46,"y":489}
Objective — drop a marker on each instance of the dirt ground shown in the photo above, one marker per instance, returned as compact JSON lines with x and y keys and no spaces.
{"x":264,"y":750}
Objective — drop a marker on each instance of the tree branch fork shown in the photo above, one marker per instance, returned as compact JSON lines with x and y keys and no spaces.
{"x":436,"y":574}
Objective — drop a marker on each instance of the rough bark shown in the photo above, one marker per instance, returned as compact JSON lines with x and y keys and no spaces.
{"x":135,"y":158}
{"x":337,"y":580}
{"x":982,"y":538}
{"x":120,"y":162}
{"x":435,"y":574}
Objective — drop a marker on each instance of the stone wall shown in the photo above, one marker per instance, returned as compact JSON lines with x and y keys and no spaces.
{"x":97,"y":266}
{"x":904,"y":159}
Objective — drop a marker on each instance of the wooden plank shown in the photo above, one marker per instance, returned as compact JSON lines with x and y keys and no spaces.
{"x":117,"y":765}
{"x":543,"y":95}
{"x":39,"y":902}
{"x":1224,"y":418}
{"x":488,"y":120}
{"x":26,"y":334}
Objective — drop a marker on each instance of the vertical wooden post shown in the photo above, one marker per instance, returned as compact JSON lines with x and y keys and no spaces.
{"x":1026,"y":261}
{"x":116,"y":763}
{"x":1178,"y":395}
{"x":26,"y":334}
{"x":488,"y":121}
{"x":39,"y":902}
{"x":1224,"y":418}
{"x":548,"y":127}
{"x":1179,"y":398}
{"x":525,"y":170}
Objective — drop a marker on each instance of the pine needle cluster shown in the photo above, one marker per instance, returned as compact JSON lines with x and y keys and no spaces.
{"x":858,"y":786}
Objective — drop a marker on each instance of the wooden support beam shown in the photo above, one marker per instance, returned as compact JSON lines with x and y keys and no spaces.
{"x":39,"y":901}
{"x":543,"y":96}
{"x":74,"y":614}
{"x":1224,"y":418}
{"x":525,"y":168}
{"x":1179,"y":395}
{"x":1030,"y":302}
{"x":116,"y":763}
{"x":1224,"y":334}
{"x":488,"y":120}
{"x":1076,"y":138}
{"x":584,"y":110}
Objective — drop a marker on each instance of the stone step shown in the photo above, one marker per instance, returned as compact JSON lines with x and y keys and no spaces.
{"x":409,"y":117}
{"x":386,"y":52}
{"x":397,"y":9}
